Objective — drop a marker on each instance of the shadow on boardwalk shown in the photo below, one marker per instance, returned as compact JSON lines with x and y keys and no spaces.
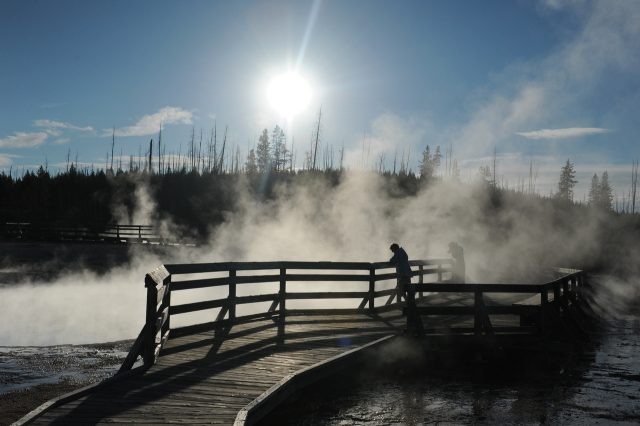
{"x":208,"y":376}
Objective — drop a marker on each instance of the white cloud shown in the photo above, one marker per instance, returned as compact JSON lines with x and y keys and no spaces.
{"x":6,"y":159}
{"x":55,"y":128}
{"x":149,"y":124}
{"x":23,"y":140}
{"x":570,"y":132}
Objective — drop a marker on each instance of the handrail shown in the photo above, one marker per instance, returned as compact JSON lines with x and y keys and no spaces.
{"x":162,"y":282}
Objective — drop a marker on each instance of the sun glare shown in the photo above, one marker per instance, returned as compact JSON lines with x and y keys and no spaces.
{"x":289,"y":94}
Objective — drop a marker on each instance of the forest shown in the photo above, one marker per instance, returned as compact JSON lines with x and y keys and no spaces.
{"x":199,"y":191}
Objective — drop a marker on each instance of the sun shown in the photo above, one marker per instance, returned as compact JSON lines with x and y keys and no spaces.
{"x":289,"y":94}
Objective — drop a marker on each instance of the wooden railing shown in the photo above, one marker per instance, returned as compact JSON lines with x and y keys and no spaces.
{"x":539,"y":310}
{"x":112,"y":233}
{"x":164,"y":281}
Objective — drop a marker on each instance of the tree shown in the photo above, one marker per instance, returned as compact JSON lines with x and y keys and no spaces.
{"x":430,"y":162}
{"x":437,"y":156}
{"x":455,"y":170}
{"x":279,"y":148}
{"x":485,"y":174}
{"x":606,"y":193}
{"x":251,"y":167}
{"x":567,"y":182}
{"x":263,"y":152}
{"x":426,"y":164}
{"x":594,"y":191}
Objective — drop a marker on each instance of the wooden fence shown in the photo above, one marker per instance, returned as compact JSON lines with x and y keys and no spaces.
{"x":109,"y":233}
{"x":546,"y":304}
{"x":162,"y":282}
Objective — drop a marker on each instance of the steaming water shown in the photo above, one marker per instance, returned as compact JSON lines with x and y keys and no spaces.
{"x":598,"y":386}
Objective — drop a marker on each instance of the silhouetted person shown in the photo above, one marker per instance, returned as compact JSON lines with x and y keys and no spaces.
{"x":457,"y":253}
{"x":400,"y":260}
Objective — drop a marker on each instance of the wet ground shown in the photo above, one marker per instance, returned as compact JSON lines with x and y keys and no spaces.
{"x":594,"y":383}
{"x":29,"y":376}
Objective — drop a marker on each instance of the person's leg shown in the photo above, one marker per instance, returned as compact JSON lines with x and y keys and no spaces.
{"x":414,"y":323}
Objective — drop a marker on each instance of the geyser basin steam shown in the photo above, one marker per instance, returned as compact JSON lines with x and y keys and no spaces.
{"x":311,"y":217}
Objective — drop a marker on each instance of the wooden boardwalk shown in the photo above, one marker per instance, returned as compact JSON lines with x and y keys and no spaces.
{"x":208,"y":377}
{"x":235,"y":368}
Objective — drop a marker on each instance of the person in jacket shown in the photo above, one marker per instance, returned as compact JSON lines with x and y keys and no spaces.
{"x":400,"y":260}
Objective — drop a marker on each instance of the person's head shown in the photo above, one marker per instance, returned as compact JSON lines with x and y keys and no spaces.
{"x":394,"y":247}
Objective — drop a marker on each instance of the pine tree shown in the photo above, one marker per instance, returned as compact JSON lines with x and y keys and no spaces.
{"x":430,"y":162}
{"x":279,"y":148}
{"x":251,"y":167}
{"x":606,"y":193}
{"x":485,"y":174}
{"x":594,"y":191}
{"x":263,"y":152}
{"x":437,"y":156}
{"x":426,"y":164}
{"x":567,"y":182}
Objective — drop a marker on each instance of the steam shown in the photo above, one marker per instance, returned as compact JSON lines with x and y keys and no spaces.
{"x":314,"y":219}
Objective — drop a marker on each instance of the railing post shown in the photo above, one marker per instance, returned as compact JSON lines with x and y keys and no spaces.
{"x":372,"y":289}
{"x":421,"y":278}
{"x":148,"y":354}
{"x":118,"y":232}
{"x":544,"y":304}
{"x":282,"y":300}
{"x":232,"y":294}
{"x":556,"y":295}
{"x":140,"y":233}
{"x":477,"y":313}
{"x":439,"y":272}
{"x":167,"y":302}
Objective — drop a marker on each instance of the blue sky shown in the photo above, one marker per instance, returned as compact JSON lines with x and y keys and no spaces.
{"x":537,"y":81}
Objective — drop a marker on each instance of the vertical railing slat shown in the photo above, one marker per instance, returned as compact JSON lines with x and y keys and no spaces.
{"x":232,"y":294}
{"x":282,"y":300}
{"x":477,"y":312}
{"x":372,"y":289}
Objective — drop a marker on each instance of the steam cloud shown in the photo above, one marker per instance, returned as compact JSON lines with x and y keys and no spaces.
{"x":355,"y":220}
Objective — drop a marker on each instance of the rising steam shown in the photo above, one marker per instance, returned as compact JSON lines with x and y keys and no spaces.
{"x":313,"y":219}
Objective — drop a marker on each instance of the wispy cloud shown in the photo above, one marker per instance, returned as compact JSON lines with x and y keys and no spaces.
{"x":389,"y":135}
{"x":540,"y":93}
{"x":23,"y":140}
{"x":149,"y":124}
{"x":55,"y":128}
{"x":61,"y":141}
{"x":570,"y":132}
{"x":6,"y":159}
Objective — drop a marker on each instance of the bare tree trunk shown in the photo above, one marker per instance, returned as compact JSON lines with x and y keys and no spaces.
{"x":151,"y":156}
{"x":315,"y":149}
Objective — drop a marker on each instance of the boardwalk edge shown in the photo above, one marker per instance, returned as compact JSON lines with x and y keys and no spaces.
{"x":277,"y":393}
{"x":64,"y":398}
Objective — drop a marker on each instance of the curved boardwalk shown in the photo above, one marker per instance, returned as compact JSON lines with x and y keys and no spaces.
{"x":207,"y":377}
